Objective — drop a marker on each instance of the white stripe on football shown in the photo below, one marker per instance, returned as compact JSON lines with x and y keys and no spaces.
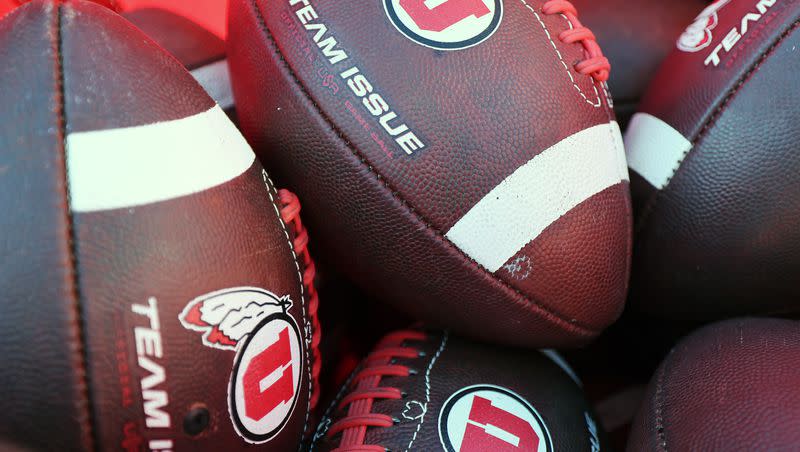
{"x":654,"y":149}
{"x":116,"y":168}
{"x":540,"y":192}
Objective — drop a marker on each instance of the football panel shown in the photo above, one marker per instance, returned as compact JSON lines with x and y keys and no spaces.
{"x":689,"y":89}
{"x":41,"y":345}
{"x":178,"y":235}
{"x":533,"y":399}
{"x":150,"y":76}
{"x":710,"y":58}
{"x":198,"y":49}
{"x":481,"y":113}
{"x":570,"y":253}
{"x":731,"y":383}
{"x":721,"y":238}
{"x":147,"y":270}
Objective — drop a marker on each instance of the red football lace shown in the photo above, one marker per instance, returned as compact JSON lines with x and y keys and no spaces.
{"x":366,"y":390}
{"x":290,"y":212}
{"x":595,"y":64}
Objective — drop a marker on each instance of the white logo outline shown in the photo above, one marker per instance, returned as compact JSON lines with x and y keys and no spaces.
{"x":230,"y":319}
{"x":399,"y":24}
{"x":447,"y":406}
{"x":691,"y":40}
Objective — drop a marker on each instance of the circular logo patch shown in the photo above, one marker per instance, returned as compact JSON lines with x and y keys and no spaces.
{"x":445,"y":24}
{"x":266,"y":379}
{"x":486,"y":417}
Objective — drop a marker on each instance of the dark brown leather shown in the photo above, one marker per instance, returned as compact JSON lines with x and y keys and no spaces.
{"x":191,"y":44}
{"x":723,"y":237}
{"x":43,"y":393}
{"x":448,"y":364}
{"x":198,"y":49}
{"x":636,"y":37}
{"x":688,"y":95}
{"x":71,"y":378}
{"x":382,"y":218}
{"x":730,"y":386}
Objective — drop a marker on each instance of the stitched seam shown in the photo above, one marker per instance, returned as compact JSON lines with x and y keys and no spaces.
{"x":325,"y":421}
{"x":712,"y":119}
{"x":428,"y":388}
{"x":306,"y":329}
{"x":78,"y":329}
{"x":622,"y":164}
{"x":561,"y":58}
{"x":658,"y":412}
{"x":609,"y":99}
{"x":523,"y":300}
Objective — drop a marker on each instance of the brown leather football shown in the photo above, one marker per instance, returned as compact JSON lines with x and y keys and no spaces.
{"x":715,"y":168}
{"x":730,"y":386}
{"x":429,"y":391}
{"x":156,"y":287}
{"x":460,"y":160}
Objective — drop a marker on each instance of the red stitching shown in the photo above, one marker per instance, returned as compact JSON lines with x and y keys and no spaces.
{"x":595,"y":64}
{"x":290,"y":213}
{"x":358,"y":403}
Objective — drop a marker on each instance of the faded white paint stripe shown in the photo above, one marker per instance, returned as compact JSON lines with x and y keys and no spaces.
{"x":619,"y":148}
{"x":216,"y":80}
{"x":538,"y":193}
{"x":111,"y":169}
{"x":654,"y":149}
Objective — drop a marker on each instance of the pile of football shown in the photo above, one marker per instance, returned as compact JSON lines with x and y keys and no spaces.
{"x":495,"y":253}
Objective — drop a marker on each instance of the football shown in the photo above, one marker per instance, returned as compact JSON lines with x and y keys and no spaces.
{"x":153,"y":276}
{"x":715,"y":170}
{"x":541,"y":225}
{"x":461,"y":162}
{"x":729,"y":386}
{"x":427,"y":390}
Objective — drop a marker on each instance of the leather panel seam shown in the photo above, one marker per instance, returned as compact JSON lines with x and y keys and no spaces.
{"x":520,"y":299}
{"x":710,"y":121}
{"x":306,"y":339}
{"x":78,"y":329}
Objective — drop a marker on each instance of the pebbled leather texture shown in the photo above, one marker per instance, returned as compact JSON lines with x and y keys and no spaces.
{"x":84,"y":359}
{"x":722,"y":238}
{"x":41,"y":350}
{"x":729,"y":386}
{"x":636,"y":37}
{"x":197,"y":48}
{"x":447,"y":364}
{"x":191,"y":44}
{"x":382,"y":216}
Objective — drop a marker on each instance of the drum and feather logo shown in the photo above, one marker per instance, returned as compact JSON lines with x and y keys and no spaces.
{"x":445,"y":24}
{"x":267,"y":369}
{"x":698,"y":35}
